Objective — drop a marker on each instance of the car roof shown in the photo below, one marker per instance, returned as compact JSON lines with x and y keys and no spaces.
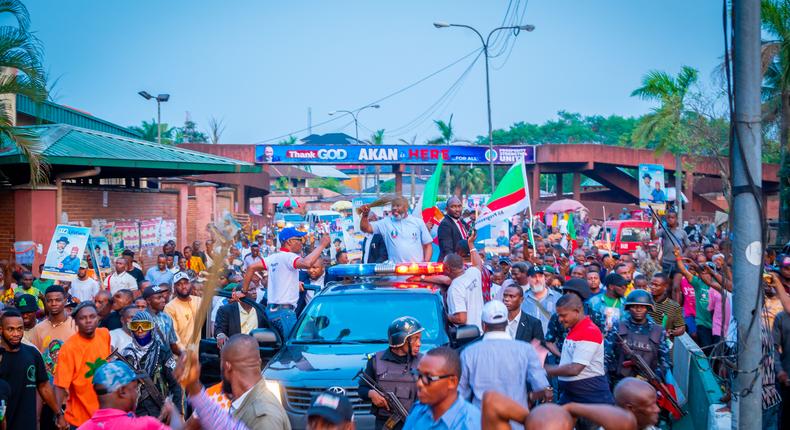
{"x":379,"y":286}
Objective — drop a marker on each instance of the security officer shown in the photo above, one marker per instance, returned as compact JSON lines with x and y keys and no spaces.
{"x":644,"y":337}
{"x":392,"y":369}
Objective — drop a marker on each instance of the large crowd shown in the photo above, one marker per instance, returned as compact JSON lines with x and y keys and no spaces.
{"x":571,"y":335}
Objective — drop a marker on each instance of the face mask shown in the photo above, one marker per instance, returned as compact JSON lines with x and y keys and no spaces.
{"x":145,"y":339}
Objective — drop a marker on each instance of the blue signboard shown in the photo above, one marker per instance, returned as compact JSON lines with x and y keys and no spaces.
{"x":390,"y":154}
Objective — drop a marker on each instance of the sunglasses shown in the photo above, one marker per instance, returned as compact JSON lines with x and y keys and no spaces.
{"x":428,"y":379}
{"x":140,"y":325}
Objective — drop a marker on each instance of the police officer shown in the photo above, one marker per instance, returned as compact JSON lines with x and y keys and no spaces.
{"x":392,"y":369}
{"x":643,"y":336}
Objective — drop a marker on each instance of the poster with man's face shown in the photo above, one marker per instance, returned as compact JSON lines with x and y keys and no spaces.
{"x":651,"y":187}
{"x":65,"y":252}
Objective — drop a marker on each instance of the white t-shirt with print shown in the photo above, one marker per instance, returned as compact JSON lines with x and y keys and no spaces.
{"x":283,"y":278}
{"x":466,"y":295}
{"x":84,"y":290}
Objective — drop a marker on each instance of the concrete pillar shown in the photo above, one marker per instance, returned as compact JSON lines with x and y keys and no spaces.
{"x":559,"y":186}
{"x":398,"y":170}
{"x":183,"y":205}
{"x":577,"y":186}
{"x":206,"y":195}
{"x":229,"y":193}
{"x":35,"y":218}
{"x":242,"y":203}
{"x":535,"y":186}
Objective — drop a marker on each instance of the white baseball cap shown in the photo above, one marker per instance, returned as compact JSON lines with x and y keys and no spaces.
{"x":494,"y":312}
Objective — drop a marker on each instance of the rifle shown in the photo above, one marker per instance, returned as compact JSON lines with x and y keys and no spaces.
{"x":147,"y":382}
{"x":666,"y":398}
{"x":398,"y":413}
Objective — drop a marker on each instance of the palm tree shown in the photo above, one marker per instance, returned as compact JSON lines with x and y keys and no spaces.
{"x":663,"y":128}
{"x":148,"y":131}
{"x":282,"y":183}
{"x":471,"y":180}
{"x":775,"y":15}
{"x":21,"y":72}
{"x":377,"y":138}
{"x":290,"y":141}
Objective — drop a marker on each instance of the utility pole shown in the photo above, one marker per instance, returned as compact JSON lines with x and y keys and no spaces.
{"x":747,"y":248}
{"x":309,"y":120}
{"x":678,"y":187}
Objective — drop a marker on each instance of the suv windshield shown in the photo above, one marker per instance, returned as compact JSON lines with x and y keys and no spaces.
{"x":634,"y":234}
{"x":338,"y":318}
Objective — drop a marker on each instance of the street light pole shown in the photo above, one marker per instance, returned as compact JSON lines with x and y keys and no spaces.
{"x":354,"y":115}
{"x":485,"y":43}
{"x":161,"y":98}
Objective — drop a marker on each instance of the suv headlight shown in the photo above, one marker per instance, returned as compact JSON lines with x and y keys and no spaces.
{"x":274,"y":388}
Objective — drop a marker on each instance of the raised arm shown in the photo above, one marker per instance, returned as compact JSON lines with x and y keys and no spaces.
{"x":682,"y":266}
{"x":476,"y":260}
{"x":364,"y":222}
{"x":250,"y":272}
{"x":307,"y":262}
{"x":607,"y":416}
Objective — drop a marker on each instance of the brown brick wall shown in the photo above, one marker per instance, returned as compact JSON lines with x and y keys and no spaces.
{"x":7,"y":234}
{"x":84,"y":204}
{"x":192,"y":212}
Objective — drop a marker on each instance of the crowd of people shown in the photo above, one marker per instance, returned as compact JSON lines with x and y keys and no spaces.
{"x":570,"y":334}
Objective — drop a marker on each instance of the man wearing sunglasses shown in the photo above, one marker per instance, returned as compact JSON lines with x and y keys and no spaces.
{"x":437,"y":392}
{"x":283,"y":285}
{"x":150,"y":357}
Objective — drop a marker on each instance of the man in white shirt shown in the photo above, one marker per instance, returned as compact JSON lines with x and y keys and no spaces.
{"x":465,"y":294}
{"x":121,"y":279}
{"x":283,"y":284}
{"x":254,"y":256}
{"x":84,"y":287}
{"x":406,"y":238}
{"x":121,"y":337}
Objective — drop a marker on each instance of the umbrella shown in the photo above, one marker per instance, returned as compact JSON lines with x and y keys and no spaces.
{"x":565,"y":205}
{"x":288,"y":203}
{"x":341,"y":205}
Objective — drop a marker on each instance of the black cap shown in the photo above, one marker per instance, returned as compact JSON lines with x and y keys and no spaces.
{"x":26,"y":303}
{"x":152,"y":290}
{"x":578,"y":286}
{"x":534,"y":270}
{"x":505,"y":260}
{"x":335,"y":408}
{"x":615,"y":279}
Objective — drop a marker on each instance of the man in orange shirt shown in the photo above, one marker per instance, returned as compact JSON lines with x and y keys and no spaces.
{"x":79,"y":357}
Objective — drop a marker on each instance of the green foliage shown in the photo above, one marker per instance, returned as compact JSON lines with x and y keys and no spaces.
{"x":291,"y":140}
{"x":20,"y":59}
{"x":567,"y":128}
{"x":331,"y":184}
{"x":148,"y":131}
{"x":190,"y":134}
{"x":282,"y":183}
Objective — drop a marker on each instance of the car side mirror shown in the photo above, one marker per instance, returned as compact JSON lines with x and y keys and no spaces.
{"x":465,"y":334}
{"x":266,"y":337}
{"x":314,"y":288}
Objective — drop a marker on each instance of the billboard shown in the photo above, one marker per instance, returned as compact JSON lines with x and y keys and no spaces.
{"x":391,"y":154}
{"x":651,"y":187}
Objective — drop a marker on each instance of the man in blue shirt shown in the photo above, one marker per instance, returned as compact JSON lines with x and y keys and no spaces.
{"x":159,"y":274}
{"x":439,"y":406}
{"x":518,"y":371}
{"x":406,"y":238}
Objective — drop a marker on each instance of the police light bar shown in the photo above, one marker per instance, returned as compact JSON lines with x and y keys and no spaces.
{"x":354,"y":270}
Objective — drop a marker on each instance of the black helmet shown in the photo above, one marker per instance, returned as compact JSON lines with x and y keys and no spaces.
{"x":639,"y":297}
{"x":401,"y":329}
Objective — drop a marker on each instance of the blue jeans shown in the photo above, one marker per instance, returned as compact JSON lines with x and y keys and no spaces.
{"x":281,"y":319}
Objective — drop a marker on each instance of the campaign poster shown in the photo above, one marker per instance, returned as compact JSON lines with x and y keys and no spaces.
{"x":149,"y":233}
{"x":25,"y":252}
{"x":651,"y":187}
{"x":101,"y":252}
{"x":65,"y":252}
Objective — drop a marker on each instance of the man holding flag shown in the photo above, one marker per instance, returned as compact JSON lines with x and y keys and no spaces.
{"x":407,"y":239}
{"x":511,"y":197}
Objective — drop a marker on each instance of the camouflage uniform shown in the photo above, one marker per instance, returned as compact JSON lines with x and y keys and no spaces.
{"x":613,"y":348}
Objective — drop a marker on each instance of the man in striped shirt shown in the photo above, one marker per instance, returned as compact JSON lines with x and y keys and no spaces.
{"x":666,"y":312}
{"x":581,"y":372}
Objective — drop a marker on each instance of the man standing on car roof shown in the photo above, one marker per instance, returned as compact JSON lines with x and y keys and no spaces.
{"x":283,"y":267}
{"x":392,"y":369}
{"x":407,"y":239}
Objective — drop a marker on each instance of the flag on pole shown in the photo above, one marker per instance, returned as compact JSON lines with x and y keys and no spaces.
{"x":571,"y":227}
{"x":510,"y":197}
{"x":427,"y":203}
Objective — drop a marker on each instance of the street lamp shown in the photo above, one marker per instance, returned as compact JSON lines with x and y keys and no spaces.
{"x":516,"y":29}
{"x":161,"y":98}
{"x":354,"y":114}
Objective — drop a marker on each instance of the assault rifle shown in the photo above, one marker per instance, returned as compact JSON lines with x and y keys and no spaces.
{"x":398,"y":413}
{"x":146,"y":380}
{"x":666,"y":397}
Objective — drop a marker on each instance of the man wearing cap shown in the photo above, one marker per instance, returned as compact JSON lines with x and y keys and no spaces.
{"x":78,"y":359}
{"x":283,"y":285}
{"x":539,"y":301}
{"x":518,"y":370}
{"x":22,"y":367}
{"x":27,"y":305}
{"x":150,"y":357}
{"x":155,"y":297}
{"x":70,"y":263}
{"x":610,"y":303}
{"x":120,"y":279}
{"x":392,"y":369}
{"x":330,"y":411}
{"x":643,"y":336}
{"x":159,"y":274}
{"x":407,"y":239}
{"x":183,"y":308}
{"x":84,"y":288}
